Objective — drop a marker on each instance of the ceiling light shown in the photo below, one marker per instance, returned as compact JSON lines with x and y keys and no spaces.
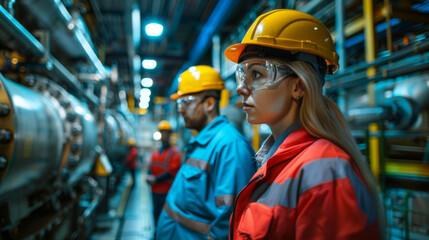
{"x":136,"y":25}
{"x":154,"y":29}
{"x":156,"y":136}
{"x":149,"y":64}
{"x":145,"y":92}
{"x":147,"y":82}
{"x":144,"y":105}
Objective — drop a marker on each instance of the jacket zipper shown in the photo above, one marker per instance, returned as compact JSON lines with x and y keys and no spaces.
{"x":231,"y":234}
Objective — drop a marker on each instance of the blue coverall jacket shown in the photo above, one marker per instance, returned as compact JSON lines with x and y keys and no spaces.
{"x":218,"y":164}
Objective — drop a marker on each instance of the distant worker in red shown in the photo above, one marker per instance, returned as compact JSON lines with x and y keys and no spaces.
{"x":132,"y":159}
{"x":164,"y":164}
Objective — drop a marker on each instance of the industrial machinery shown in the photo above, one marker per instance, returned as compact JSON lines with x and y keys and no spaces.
{"x":48,"y":146}
{"x":64,"y":129}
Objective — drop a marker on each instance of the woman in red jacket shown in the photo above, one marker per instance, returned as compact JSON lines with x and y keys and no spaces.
{"x":313,"y":182}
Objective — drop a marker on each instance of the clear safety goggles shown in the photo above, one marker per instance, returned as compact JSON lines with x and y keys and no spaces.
{"x":187,"y":100}
{"x":261,"y":74}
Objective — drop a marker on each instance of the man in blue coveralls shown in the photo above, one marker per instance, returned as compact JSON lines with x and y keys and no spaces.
{"x":218,"y":163}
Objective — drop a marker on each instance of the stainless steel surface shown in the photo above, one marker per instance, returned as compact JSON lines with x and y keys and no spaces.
{"x":38,"y":142}
{"x":403,"y":103}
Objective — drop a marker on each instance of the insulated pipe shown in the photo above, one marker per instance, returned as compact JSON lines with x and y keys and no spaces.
{"x":398,"y":113}
{"x":28,"y":42}
{"x":54,"y":16}
{"x":14,"y":28}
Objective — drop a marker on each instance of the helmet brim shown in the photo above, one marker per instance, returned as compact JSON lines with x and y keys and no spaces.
{"x":175,"y":96}
{"x":234,"y":52}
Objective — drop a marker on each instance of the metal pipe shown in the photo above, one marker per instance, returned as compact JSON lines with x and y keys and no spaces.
{"x":216,"y":52}
{"x":30,"y":43}
{"x":339,"y":29}
{"x":217,"y":19}
{"x":419,"y":47}
{"x":14,"y":28}
{"x":360,"y":79}
{"x":370,"y":55}
{"x":54,"y":16}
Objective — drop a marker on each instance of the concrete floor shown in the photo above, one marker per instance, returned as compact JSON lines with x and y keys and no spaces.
{"x":130,"y":217}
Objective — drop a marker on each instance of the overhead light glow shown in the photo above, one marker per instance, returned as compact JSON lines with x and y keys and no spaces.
{"x":147,"y":82}
{"x":136,"y":25}
{"x":145,"y":92}
{"x":156,"y":136}
{"x":144,"y":98}
{"x":149,"y":64}
{"x":154,"y":29}
{"x":144,"y":105}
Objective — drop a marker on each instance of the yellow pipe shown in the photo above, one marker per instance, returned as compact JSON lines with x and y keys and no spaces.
{"x":370,"y":54}
{"x":407,"y":168}
{"x":131,"y":101}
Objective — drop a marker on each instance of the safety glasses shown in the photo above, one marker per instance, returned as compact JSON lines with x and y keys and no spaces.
{"x":261,"y":74}
{"x":187,"y":100}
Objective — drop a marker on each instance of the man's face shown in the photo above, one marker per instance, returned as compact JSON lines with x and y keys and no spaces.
{"x":191,"y":108}
{"x":165,"y":136}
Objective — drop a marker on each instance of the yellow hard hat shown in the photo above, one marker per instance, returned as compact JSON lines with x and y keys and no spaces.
{"x":131,"y":141}
{"x":164,"y":125}
{"x":197,"y":79}
{"x":289,"y":30}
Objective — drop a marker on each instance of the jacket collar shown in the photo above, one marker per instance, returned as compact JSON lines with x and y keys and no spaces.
{"x":209,"y":131}
{"x":270,"y":146}
{"x":295,"y":143}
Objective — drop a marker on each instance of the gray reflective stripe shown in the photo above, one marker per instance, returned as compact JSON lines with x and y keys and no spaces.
{"x":222,"y":200}
{"x":167,"y":158}
{"x":201,"y":164}
{"x":261,"y":189}
{"x":192,"y":224}
{"x":160,"y":164}
{"x":287,"y":194}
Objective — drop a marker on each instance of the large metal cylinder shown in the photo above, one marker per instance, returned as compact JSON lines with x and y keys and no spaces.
{"x":47,"y":145}
{"x":402,"y":102}
{"x":34,"y":152}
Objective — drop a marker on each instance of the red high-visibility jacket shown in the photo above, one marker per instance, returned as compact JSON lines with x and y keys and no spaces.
{"x":168,"y":161}
{"x":309,"y":189}
{"x":132,"y":161}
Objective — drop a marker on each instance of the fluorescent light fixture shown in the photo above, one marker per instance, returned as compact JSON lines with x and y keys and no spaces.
{"x":154,"y":29}
{"x":147,"y":82}
{"x":136,"y":25}
{"x":149,"y":64}
{"x":144,"y":105}
{"x":145,"y":92}
{"x":144,"y":99}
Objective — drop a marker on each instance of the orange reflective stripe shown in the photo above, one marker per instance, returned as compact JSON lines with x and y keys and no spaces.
{"x":192,"y":224}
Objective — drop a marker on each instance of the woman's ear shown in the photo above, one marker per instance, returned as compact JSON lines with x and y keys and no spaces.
{"x":298,"y":89}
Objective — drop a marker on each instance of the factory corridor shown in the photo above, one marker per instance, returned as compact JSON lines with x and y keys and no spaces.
{"x":131,"y":208}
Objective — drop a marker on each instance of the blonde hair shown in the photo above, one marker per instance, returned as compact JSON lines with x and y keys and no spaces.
{"x":317,"y":109}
